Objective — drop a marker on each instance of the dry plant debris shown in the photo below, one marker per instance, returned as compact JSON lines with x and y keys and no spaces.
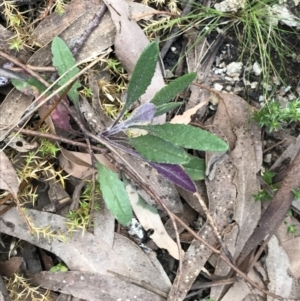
{"x":217,"y":238}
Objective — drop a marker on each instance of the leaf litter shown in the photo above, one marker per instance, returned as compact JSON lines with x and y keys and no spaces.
{"x":106,"y":259}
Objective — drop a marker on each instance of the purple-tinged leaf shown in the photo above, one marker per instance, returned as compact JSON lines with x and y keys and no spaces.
{"x":175,"y":174}
{"x":143,"y":114}
{"x":60,"y":117}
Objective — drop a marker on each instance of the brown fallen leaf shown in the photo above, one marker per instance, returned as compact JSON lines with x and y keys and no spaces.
{"x":150,"y":219}
{"x":11,"y":266}
{"x":94,"y":287}
{"x":221,"y":199}
{"x":240,"y":290}
{"x":8,"y":176}
{"x":104,"y":223}
{"x":291,"y":244}
{"x":55,"y":24}
{"x":86,"y":252}
{"x":79,"y":165}
{"x":229,"y":190}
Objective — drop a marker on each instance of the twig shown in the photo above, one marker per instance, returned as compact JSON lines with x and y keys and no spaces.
{"x":24,"y":67}
{"x":141,"y":284}
{"x":34,"y":68}
{"x":58,"y":139}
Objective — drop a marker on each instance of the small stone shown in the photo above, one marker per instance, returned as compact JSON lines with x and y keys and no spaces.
{"x":230,"y":5}
{"x":218,"y":86}
{"x":234,"y":68}
{"x":256,"y":69}
{"x":268,"y":158}
{"x":219,"y":70}
{"x":229,"y":79}
{"x":228,"y":88}
{"x":254,"y":85}
{"x":261,"y":98}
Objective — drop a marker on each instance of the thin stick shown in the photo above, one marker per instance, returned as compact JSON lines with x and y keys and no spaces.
{"x":58,"y":139}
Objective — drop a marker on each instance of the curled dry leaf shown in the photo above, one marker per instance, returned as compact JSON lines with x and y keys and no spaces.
{"x":150,"y":219}
{"x":8,"y":176}
{"x":79,"y":164}
{"x":86,"y":252}
{"x":17,"y":142}
{"x":240,"y":290}
{"x":90,"y":286}
{"x":186,"y":117}
{"x":11,"y":266}
{"x":230,"y":190}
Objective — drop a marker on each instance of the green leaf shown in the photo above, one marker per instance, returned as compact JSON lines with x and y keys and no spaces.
{"x":142,"y":74}
{"x":159,"y":150}
{"x":187,"y":136}
{"x":168,"y":92}
{"x":162,"y":109}
{"x":114,"y":195}
{"x":63,"y":60}
{"x":25,"y":87}
{"x":195,"y":168}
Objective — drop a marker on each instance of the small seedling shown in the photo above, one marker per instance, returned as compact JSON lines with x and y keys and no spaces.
{"x":19,"y":288}
{"x":59,"y":268}
{"x":262,"y":195}
{"x":87,"y":92}
{"x":296,"y":193}
{"x":273,"y":116}
{"x":268,"y":177}
{"x":291,"y":229}
{"x":79,"y":219}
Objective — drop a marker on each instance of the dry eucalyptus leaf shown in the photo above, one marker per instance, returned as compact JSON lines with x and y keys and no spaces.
{"x":150,"y":219}
{"x":240,"y":289}
{"x":100,"y":39}
{"x":186,"y":117}
{"x":94,"y":287}
{"x":245,"y":141}
{"x":291,"y":244}
{"x":104,"y":223}
{"x":17,"y":142}
{"x":194,"y":57}
{"x":221,"y":200}
{"x":8,"y":176}
{"x":11,"y":266}
{"x":11,"y":110}
{"x":85,"y":252}
{"x":55,"y":24}
{"x":79,"y":164}
{"x":277,"y":263}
